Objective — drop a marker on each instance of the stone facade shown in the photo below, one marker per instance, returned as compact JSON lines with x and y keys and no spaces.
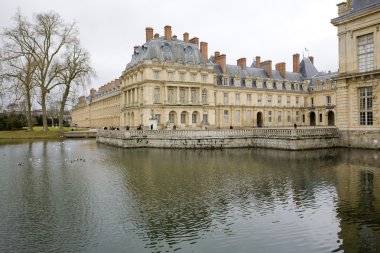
{"x":358,"y":83}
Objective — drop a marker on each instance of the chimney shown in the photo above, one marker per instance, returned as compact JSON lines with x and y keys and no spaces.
{"x":195,"y":41}
{"x":258,"y":60}
{"x":267,"y":66}
{"x":186,"y":37}
{"x":156,"y":35}
{"x":281,"y":67}
{"x":204,"y":50}
{"x":242,"y":62}
{"x":311,"y":58}
{"x":174,"y":37}
{"x":216,"y":54}
{"x":92,"y":92}
{"x":296,"y":63}
{"x":135,"y":51}
{"x":149,"y":33}
{"x":168,"y":32}
{"x":221,"y":60}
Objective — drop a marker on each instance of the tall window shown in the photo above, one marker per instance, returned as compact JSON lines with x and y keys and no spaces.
{"x":171,"y":96}
{"x":365,"y":52}
{"x":182,"y":96}
{"x":156,"y":74}
{"x":270,"y":116}
{"x":226,"y":116}
{"x":158,"y":118}
{"x":269,"y":99}
{"x":328,"y":98}
{"x":312,"y":102}
{"x":171,"y":117}
{"x":193,"y":96}
{"x":170,"y":76}
{"x":183,"y":118}
{"x":225,"y":98}
{"x":205,"y":118}
{"x":297,"y":116}
{"x":279,"y":117}
{"x":259,"y":99}
{"x":237,"y":98}
{"x":249,"y":99}
{"x":288,"y":117}
{"x":204,"y":96}
{"x":297,"y":100}
{"x":288,"y":100}
{"x":157,"y":97}
{"x":204,"y":78}
{"x":279,"y":100}
{"x":182,"y":76}
{"x":237,"y":117}
{"x":365,"y":102}
{"x":193,"y":77}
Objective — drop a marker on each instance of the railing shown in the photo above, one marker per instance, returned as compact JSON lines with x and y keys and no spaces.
{"x":283,"y":133}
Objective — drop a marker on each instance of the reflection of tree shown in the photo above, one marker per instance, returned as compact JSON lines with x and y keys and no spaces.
{"x":180,"y":195}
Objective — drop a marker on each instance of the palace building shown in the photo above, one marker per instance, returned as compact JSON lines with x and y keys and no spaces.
{"x":172,"y":81}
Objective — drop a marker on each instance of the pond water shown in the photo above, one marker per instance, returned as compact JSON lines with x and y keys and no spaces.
{"x":80,"y":196}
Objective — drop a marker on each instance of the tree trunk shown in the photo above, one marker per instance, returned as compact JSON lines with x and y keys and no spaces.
{"x":44,"y":112}
{"x":62,"y":108}
{"x":29,"y":114}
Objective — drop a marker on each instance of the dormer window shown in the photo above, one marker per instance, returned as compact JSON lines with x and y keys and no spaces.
{"x":242,"y":82}
{"x":232,"y":81}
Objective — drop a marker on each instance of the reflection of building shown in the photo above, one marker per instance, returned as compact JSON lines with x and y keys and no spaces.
{"x":358,"y":83}
{"x":175,"y":82}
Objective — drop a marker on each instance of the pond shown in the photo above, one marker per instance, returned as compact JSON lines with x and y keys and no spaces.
{"x":80,"y":196}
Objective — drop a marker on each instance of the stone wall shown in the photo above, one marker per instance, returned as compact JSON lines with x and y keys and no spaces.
{"x":360,"y":139}
{"x":288,"y":139}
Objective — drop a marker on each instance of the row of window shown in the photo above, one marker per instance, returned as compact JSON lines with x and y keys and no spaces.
{"x":194,"y":118}
{"x":182,"y":76}
{"x":182,"y":95}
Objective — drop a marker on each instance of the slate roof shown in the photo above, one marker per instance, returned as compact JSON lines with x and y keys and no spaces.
{"x":323,"y":77}
{"x":358,"y":5}
{"x":308,"y":70}
{"x":167,"y":50}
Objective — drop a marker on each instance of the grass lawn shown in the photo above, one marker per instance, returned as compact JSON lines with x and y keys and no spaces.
{"x":37,"y":133}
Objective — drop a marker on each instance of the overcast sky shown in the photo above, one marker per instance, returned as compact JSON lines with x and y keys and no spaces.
{"x":272,"y":29}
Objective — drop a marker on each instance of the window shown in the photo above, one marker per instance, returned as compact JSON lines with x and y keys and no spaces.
{"x":170,"y":76}
{"x":182,"y":76}
{"x":193,"y":77}
{"x":170,"y":95}
{"x":249,"y":116}
{"x":205,"y":118}
{"x":242,"y":82}
{"x":183,"y":118}
{"x":365,"y":53}
{"x":259,"y":99}
{"x":328,"y":98}
{"x":226,"y":116}
{"x":157,"y":97}
{"x":225,"y":82}
{"x":303,"y":118}
{"x":297,"y":100}
{"x":279,"y":100}
{"x":288,"y":100}
{"x":193,"y":96}
{"x":225,"y":98}
{"x":182,"y":96}
{"x":156,"y":74}
{"x":365,"y":103}
{"x":204,"y":96}
{"x":158,"y":118}
{"x":270,"y":116}
{"x":279,"y":117}
{"x":237,"y":117}
{"x":269,"y":99}
{"x":231,"y":81}
{"x":204,"y":78}
{"x":288,"y":117}
{"x":254,"y":83}
{"x":249,"y":99}
{"x":312,"y":102}
{"x":297,"y":116}
{"x":237,"y":98}
{"x":171,"y":117}
{"x":320,"y":117}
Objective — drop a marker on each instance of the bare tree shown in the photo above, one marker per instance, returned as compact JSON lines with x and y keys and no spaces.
{"x":75,"y":68}
{"x":44,"y":41}
{"x":18,"y":66}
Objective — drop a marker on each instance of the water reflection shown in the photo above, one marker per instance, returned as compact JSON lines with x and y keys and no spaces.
{"x":151,"y":200}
